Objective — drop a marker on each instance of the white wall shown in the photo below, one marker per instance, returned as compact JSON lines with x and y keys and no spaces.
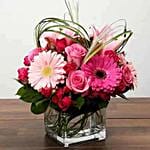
{"x":19,"y":17}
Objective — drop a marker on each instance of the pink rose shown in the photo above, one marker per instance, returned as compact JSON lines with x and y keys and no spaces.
{"x":23,"y":74}
{"x":77,"y":81}
{"x":127,"y":74}
{"x":29,"y":58}
{"x":128,"y":78}
{"x":65,"y":103}
{"x":75,"y":53}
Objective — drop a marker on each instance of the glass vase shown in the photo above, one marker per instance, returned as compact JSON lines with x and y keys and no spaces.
{"x":68,"y":130}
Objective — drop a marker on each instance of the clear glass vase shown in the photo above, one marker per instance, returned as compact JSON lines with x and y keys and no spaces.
{"x":68,"y":130}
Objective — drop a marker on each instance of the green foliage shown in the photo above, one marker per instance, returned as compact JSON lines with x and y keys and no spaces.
{"x":18,"y":81}
{"x":28,"y":94}
{"x":40,"y":106}
{"x":103,"y":104}
{"x":54,"y":106}
{"x":55,"y":24}
{"x":79,"y":102}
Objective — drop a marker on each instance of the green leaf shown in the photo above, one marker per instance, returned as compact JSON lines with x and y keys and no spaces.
{"x":54,"y":106}
{"x":39,"y":107}
{"x":79,"y":102}
{"x":47,"y":23}
{"x":123,"y":96}
{"x":28,"y":94}
{"x":103,"y":104}
{"x":18,"y":81}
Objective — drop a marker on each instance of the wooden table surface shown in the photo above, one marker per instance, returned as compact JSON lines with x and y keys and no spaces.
{"x":128,"y":127}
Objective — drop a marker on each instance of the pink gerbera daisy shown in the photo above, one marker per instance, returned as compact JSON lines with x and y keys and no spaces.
{"x":46,"y":70}
{"x":103,"y":72}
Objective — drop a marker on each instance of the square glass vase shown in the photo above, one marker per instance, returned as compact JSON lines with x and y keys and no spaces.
{"x":68,"y":130}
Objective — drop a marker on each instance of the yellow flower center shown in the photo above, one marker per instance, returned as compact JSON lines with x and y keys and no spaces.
{"x":47,"y":71}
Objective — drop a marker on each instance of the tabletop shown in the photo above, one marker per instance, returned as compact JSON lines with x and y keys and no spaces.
{"x":127,"y":123}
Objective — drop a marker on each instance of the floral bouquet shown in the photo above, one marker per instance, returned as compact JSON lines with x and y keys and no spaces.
{"x":72,"y":73}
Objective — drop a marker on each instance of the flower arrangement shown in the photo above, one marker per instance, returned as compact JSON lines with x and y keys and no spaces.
{"x":75,"y":71}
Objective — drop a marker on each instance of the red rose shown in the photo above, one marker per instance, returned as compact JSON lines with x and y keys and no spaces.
{"x":26,"y":61}
{"x":60,"y":93}
{"x":69,"y":67}
{"x":55,"y":99}
{"x":60,"y":44}
{"x":23,"y":74}
{"x":46,"y":91}
{"x":65,"y":103}
{"x":66,"y":90}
